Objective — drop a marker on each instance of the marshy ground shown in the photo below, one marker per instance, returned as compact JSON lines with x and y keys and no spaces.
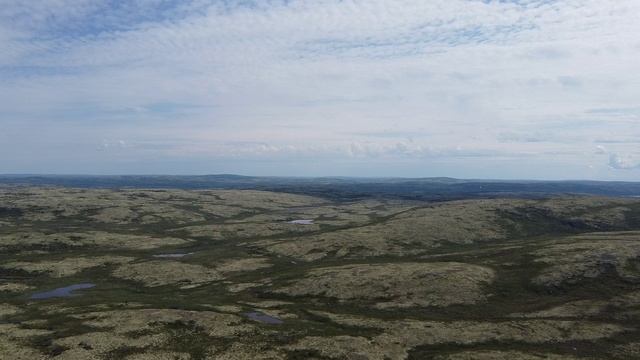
{"x":244,"y":274}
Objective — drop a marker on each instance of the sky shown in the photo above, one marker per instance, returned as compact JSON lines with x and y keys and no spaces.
{"x":520,"y":89}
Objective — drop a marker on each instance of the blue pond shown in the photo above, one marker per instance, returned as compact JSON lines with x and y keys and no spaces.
{"x":62,"y":292}
{"x":263,"y":318}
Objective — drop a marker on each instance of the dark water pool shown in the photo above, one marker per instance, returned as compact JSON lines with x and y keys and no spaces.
{"x":62,"y":292}
{"x":263,"y":318}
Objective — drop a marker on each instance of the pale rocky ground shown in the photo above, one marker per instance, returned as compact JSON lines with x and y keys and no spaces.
{"x":376,"y":279}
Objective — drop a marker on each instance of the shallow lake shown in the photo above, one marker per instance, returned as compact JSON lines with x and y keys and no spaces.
{"x":263,"y":318}
{"x":62,"y":292}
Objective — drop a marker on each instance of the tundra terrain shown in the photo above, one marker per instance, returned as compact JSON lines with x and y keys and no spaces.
{"x":247,"y":274}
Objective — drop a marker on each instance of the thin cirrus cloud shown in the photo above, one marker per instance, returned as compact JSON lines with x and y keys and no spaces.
{"x":377,"y":87}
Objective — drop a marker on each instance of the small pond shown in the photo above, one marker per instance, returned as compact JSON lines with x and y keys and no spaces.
{"x":62,"y":292}
{"x":175,"y":255}
{"x":263,"y":318}
{"x":301,"y":222}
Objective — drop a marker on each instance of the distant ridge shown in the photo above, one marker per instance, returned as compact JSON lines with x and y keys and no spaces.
{"x":436,"y":188}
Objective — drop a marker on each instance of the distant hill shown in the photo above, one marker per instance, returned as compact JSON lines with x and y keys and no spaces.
{"x":437,"y":188}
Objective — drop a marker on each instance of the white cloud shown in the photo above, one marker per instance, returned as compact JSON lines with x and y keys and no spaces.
{"x":315,"y":77}
{"x":600,"y":149}
{"x":112,"y":145}
{"x":620,"y":162}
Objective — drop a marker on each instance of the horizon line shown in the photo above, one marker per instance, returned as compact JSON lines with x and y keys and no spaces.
{"x":18,"y":175}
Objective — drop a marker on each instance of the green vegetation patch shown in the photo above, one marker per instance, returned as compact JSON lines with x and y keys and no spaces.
{"x":166,"y":272}
{"x":396,"y":285}
{"x":400,"y":336}
{"x":12,"y":287}
{"x":86,"y":239}
{"x":572,"y":259}
{"x":503,"y":355}
{"x":172,"y":272}
{"x":67,"y":266}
